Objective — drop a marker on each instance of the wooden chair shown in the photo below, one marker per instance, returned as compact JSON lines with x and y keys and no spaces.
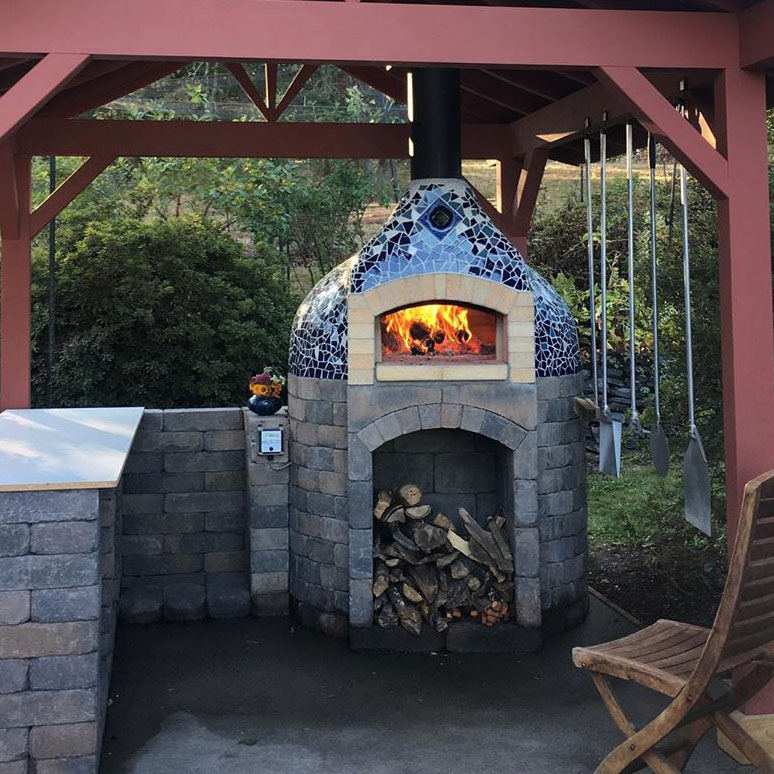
{"x":680,"y":660}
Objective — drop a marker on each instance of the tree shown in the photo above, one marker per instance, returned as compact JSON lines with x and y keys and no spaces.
{"x":166,"y":313}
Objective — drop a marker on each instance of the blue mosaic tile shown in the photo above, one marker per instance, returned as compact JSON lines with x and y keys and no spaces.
{"x":416,"y":241}
{"x":318,"y":341}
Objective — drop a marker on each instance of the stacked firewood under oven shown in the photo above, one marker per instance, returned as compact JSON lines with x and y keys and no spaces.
{"x":429,"y":570}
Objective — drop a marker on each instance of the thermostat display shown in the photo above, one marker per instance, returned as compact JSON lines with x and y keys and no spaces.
{"x":271,"y":442}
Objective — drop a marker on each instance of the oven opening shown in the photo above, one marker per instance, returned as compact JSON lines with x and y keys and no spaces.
{"x":439,"y":332}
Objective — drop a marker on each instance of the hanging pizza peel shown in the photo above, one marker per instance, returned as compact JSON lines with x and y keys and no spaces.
{"x":592,"y":281}
{"x":696,"y":481}
{"x":635,"y":425}
{"x":609,"y":429}
{"x":659,"y":445}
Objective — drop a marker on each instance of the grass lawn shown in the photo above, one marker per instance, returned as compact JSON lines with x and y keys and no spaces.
{"x":644,"y":556}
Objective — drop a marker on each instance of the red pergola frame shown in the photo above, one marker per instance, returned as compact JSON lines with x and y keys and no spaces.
{"x":637,"y":59}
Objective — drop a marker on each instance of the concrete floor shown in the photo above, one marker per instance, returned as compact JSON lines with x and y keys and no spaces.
{"x":266,"y":697}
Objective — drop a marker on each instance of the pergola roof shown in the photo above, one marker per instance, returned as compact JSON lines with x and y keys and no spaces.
{"x":519,"y":99}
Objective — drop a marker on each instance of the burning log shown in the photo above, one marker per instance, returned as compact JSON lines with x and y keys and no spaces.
{"x":428,"y":572}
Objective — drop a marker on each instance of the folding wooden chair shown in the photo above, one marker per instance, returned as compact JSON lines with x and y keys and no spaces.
{"x":680,"y":660}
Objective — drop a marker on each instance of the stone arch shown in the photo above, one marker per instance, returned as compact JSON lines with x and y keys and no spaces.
{"x":437,"y":416}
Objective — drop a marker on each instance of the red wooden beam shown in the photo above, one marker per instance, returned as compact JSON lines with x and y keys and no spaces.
{"x":659,"y":116}
{"x":223,"y":139}
{"x":756,"y":35}
{"x":242,"y":77}
{"x":15,"y":286}
{"x":89,"y":96}
{"x":42,"y":215}
{"x":396,"y":33}
{"x":564,"y":120}
{"x":36,"y":88}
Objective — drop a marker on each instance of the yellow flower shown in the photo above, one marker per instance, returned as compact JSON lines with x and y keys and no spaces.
{"x":260,"y":389}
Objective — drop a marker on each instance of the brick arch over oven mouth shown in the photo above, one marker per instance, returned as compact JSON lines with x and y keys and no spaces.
{"x":438,"y":416}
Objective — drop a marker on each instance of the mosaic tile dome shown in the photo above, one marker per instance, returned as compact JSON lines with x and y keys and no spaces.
{"x":437,"y":226}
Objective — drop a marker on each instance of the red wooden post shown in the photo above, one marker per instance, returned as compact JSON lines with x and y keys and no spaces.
{"x":508,"y":172}
{"x":747,"y":324}
{"x":526,"y":196}
{"x":15,"y":174}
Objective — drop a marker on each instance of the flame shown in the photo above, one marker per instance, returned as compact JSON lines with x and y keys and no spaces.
{"x":440,"y":329}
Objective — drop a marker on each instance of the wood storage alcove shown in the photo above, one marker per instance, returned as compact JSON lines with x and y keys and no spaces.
{"x":441,"y":533}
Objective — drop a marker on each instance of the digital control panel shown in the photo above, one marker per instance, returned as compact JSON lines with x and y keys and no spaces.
{"x":270,"y":441}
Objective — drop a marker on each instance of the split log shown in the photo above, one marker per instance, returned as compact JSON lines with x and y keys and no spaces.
{"x":381,"y":579}
{"x":402,"y":538}
{"x":429,"y":538}
{"x":410,"y":494}
{"x":458,"y":569}
{"x":443,"y":521}
{"x":395,"y":515}
{"x":458,"y":543}
{"x":387,"y":618}
{"x":496,"y":528}
{"x":446,"y":560}
{"x":383,"y":502}
{"x":410,"y":593}
{"x":426,"y":580}
{"x":485,"y":539}
{"x":418,"y":511}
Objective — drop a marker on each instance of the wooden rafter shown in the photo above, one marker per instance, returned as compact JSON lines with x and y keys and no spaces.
{"x":505,"y":95}
{"x":109,"y":87}
{"x":36,"y":88}
{"x":300,"y":79}
{"x":243,"y":78}
{"x":658,"y":116}
{"x":42,"y":215}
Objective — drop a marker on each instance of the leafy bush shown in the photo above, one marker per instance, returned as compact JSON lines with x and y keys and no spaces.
{"x":162,"y":313}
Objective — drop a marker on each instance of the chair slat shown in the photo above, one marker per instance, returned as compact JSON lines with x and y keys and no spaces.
{"x":753,"y":608}
{"x":751,"y":644}
{"x":756,"y":590}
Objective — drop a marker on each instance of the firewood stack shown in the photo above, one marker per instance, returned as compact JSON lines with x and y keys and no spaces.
{"x":427,"y":570}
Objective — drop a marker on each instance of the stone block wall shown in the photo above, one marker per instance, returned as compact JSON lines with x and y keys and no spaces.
{"x":561,"y":503}
{"x":184,"y":542}
{"x":52,"y":566}
{"x":319,"y":529}
{"x":110,"y":567}
{"x":268,"y":481}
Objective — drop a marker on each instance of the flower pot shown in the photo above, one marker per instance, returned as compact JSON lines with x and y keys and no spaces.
{"x":264,"y":404}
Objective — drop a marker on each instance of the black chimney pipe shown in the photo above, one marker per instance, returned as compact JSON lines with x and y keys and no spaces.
{"x":434,"y":111}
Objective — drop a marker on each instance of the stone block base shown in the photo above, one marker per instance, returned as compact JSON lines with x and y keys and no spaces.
{"x":558,"y":621}
{"x":461,"y":637}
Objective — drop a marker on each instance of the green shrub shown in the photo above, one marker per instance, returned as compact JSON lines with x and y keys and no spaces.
{"x":163,"y":313}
